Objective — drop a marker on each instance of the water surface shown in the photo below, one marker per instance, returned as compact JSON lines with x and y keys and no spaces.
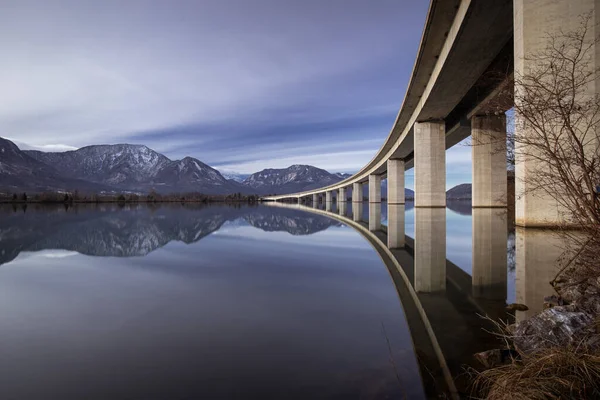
{"x":180,"y":302}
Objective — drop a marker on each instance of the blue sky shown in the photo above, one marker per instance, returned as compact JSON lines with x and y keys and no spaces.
{"x":239,"y":84}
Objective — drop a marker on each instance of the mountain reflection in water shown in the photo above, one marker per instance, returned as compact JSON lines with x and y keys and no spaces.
{"x":194,"y":302}
{"x":111,"y":230}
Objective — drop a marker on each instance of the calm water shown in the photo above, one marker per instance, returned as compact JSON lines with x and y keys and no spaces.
{"x":187,"y":302}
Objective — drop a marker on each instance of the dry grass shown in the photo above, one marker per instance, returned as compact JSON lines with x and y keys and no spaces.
{"x":555,"y":373}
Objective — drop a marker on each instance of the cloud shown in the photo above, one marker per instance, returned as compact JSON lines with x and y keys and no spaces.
{"x":45,"y":147}
{"x":240,"y":85}
{"x":334,"y":162}
{"x":100,"y":71}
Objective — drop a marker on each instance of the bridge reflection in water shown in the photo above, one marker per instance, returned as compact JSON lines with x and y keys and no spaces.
{"x":443,"y":282}
{"x":444,"y":303}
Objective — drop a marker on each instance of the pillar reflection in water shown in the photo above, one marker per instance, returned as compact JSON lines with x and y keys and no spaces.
{"x":341,"y":206}
{"x":357,"y":211}
{"x":395,"y":228}
{"x":537,"y":254}
{"x":374,"y":216}
{"x":430,"y":249}
{"x":489,"y":253}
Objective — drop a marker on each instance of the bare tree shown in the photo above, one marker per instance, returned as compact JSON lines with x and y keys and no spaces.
{"x":557,"y":116}
{"x":556,"y":138}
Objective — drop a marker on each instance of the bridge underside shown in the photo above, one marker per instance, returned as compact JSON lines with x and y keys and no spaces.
{"x":462,"y":83}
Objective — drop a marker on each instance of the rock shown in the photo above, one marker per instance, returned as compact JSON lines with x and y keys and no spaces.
{"x":495,"y":357}
{"x":553,"y":301}
{"x":517,"y":307}
{"x":556,"y":326}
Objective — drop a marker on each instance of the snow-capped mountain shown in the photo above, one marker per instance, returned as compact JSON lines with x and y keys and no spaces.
{"x":127,"y":167}
{"x":136,"y":167}
{"x":342,"y":175}
{"x":20,"y":172}
{"x":118,"y":165}
{"x":288,"y":180}
{"x":192,"y":175}
{"x":233,"y":176}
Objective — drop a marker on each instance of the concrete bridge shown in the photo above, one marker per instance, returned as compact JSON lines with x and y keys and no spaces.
{"x":469,"y":51}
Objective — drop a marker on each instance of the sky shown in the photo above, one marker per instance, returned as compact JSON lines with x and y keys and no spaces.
{"x":242,"y":85}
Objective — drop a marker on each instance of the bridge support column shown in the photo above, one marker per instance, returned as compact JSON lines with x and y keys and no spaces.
{"x":488,"y":134}
{"x":374,"y":188}
{"x":490,"y":259}
{"x":395,"y":179}
{"x":430,"y":164}
{"x":357,"y":195}
{"x":430,"y":249}
{"x":341,"y":201}
{"x":534,"y":23}
{"x":395,"y":230}
{"x":328,"y":200}
{"x":315,"y":199}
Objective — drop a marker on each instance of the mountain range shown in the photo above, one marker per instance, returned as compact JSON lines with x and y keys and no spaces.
{"x":137,"y":168}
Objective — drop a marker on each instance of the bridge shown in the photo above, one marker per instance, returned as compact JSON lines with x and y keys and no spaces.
{"x":461,"y":86}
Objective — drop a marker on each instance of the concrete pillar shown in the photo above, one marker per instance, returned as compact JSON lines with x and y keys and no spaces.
{"x":374,"y":216}
{"x":537,"y":253}
{"x":341,"y":201}
{"x":396,"y":225}
{"x":535,"y":21}
{"x":430,"y":164}
{"x":357,"y":210}
{"x":328,"y":196}
{"x":315,"y":199}
{"x":430,"y":249}
{"x":395,"y":178}
{"x":374,"y":188}
{"x":488,"y":153}
{"x":357,"y":195}
{"x":490,"y":259}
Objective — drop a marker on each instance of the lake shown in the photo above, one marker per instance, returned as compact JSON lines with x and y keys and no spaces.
{"x":223,"y":301}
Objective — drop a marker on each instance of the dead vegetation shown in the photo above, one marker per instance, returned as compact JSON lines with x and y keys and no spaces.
{"x":571,"y":372}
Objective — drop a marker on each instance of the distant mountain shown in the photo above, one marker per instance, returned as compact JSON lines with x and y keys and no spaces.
{"x":295,"y":178}
{"x":234,"y":176}
{"x":342,"y":175}
{"x":192,"y":175}
{"x":120,"y":165}
{"x":19,"y":172}
{"x":137,"y":168}
{"x":460,"y":192}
